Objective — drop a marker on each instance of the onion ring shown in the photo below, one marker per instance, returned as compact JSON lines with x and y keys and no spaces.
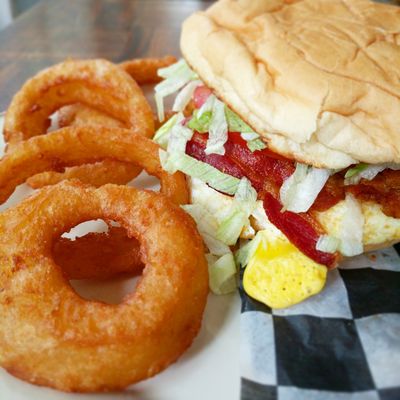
{"x":98,"y":255}
{"x":98,"y":84}
{"x":80,"y":145}
{"x":79,"y":114}
{"x":95,"y":174}
{"x":144,"y":70}
{"x":50,"y":336}
{"x":74,"y":146}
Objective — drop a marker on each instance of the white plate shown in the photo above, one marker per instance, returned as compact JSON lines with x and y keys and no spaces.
{"x":208,"y":370}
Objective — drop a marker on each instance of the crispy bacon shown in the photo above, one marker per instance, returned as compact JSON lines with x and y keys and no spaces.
{"x":300,"y":229}
{"x":257,"y":167}
{"x":332,"y":193}
{"x":196,"y":147}
{"x":384,"y":189}
{"x":266,"y":172}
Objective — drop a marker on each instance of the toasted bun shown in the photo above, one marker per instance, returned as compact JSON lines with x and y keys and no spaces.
{"x":318,"y":79}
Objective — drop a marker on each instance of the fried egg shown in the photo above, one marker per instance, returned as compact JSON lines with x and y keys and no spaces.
{"x":380,"y":230}
{"x":278,"y":274}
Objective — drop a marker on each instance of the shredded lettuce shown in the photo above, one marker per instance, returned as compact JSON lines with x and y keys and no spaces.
{"x":165,"y":162}
{"x":198,"y":169}
{"x":351,"y":235}
{"x":215,"y":202}
{"x":355,"y":170}
{"x":178,"y":138}
{"x":362,"y":171}
{"x":256,"y":144}
{"x":214,"y":245}
{"x":300,"y":190}
{"x":370,"y":172}
{"x":207,"y":226}
{"x":365,"y":171}
{"x":288,"y":190}
{"x":248,"y":136}
{"x":246,"y":196}
{"x":260,"y":216}
{"x":207,"y":106}
{"x":176,"y":77}
{"x":235,"y":123}
{"x":254,"y":141}
{"x":218,"y":133}
{"x":162,"y":135}
{"x":201,"y":121}
{"x":200,"y":124}
{"x":229,"y":230}
{"x":172,"y":85}
{"x":328,"y":244}
{"x":222,"y":274}
{"x":185,"y":95}
{"x":172,"y":70}
{"x":243,"y":205}
{"x":205,"y":221}
{"x":246,"y":251}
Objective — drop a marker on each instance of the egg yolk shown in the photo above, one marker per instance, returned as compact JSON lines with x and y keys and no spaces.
{"x":279,"y":275}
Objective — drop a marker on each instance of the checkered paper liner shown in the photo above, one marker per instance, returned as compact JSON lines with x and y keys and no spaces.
{"x":342,"y":344}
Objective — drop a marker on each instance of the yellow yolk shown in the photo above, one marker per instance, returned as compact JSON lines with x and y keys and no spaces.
{"x":279,"y":275}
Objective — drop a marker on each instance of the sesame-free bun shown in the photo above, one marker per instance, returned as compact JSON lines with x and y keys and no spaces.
{"x":318,"y":79}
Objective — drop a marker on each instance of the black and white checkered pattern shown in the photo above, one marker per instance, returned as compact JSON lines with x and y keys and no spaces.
{"x":342,"y":344}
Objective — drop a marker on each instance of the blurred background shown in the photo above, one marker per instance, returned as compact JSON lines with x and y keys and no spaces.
{"x":10,"y":9}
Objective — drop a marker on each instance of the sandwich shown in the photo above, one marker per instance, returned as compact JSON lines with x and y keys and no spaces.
{"x":287,"y":121}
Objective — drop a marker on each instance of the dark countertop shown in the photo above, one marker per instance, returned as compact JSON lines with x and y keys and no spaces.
{"x":114,"y":29}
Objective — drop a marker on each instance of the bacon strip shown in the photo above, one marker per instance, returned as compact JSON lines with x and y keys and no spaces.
{"x":299,"y":230}
{"x":384,"y":189}
{"x":266,"y":172}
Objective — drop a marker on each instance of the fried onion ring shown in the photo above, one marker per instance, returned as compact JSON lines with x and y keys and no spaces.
{"x":50,"y":336}
{"x":74,"y":146}
{"x":78,"y":114}
{"x":95,"y":174}
{"x":144,"y":70}
{"x":98,"y":255}
{"x":98,"y":84}
{"x":80,"y":145}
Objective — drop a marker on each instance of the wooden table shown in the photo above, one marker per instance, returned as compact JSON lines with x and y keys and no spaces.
{"x":113,"y":29}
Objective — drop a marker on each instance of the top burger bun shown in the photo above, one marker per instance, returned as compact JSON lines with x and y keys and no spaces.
{"x":318,"y":79}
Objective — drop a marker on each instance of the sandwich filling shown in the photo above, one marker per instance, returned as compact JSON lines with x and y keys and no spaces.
{"x":209,"y":142}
